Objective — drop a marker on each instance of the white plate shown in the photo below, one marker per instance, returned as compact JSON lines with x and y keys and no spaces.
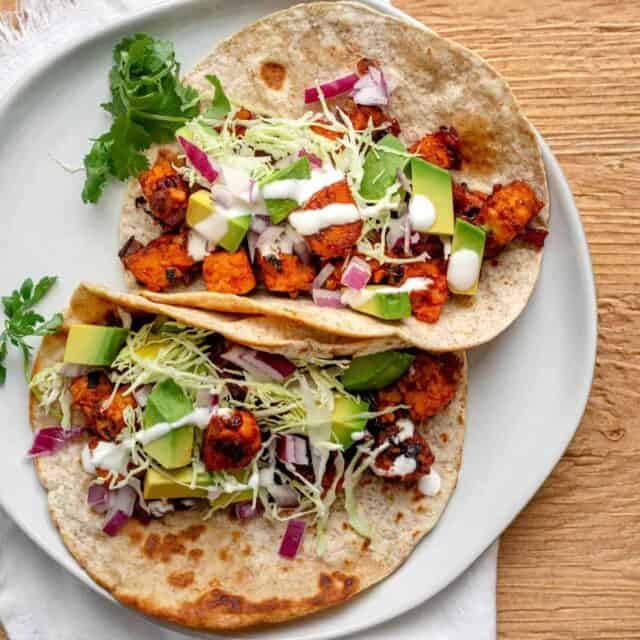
{"x":528,"y":388}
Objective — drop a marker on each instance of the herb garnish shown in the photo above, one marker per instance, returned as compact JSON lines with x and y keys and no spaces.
{"x":22,"y":321}
{"x":148,"y":103}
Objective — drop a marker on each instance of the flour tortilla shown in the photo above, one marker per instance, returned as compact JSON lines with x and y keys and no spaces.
{"x":218,"y":574}
{"x":438,"y":83}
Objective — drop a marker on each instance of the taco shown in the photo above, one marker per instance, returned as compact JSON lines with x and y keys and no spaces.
{"x":352,"y":173}
{"x":218,"y":486}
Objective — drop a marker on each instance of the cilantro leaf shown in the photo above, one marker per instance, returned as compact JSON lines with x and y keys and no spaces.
{"x":21,"y":321}
{"x":220,"y":105}
{"x":148,"y":103}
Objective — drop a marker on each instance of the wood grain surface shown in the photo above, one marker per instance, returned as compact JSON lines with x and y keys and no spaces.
{"x":569,"y":565}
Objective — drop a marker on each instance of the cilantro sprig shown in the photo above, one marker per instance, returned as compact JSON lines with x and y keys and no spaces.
{"x":148,"y":103}
{"x":21,"y":321}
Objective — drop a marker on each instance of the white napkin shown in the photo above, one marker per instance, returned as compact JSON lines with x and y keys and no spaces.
{"x":39,"y":600}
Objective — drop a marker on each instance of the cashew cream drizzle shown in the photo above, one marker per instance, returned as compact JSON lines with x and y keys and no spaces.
{"x":307,"y":223}
{"x":422,"y":213}
{"x":302,"y":190}
{"x":430,"y":484}
{"x":463,"y":269}
{"x":357,"y":298}
{"x":402,"y":466}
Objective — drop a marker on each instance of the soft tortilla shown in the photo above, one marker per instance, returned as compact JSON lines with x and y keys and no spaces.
{"x":219,"y":574}
{"x":438,"y":83}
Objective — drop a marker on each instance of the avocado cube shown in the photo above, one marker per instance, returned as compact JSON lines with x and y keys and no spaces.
{"x":380,"y":167}
{"x":199,"y":208}
{"x":280,"y":208}
{"x":236,"y":231}
{"x":467,"y":236}
{"x":375,"y":371}
{"x":346,"y":419}
{"x":159,"y":485}
{"x":388,"y":306}
{"x":94,"y":345}
{"x":435,"y":184}
{"x":168,"y":403}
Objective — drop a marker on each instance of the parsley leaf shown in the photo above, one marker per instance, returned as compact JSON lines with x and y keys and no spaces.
{"x":220,"y":105}
{"x":21,"y":321}
{"x":148,"y":103}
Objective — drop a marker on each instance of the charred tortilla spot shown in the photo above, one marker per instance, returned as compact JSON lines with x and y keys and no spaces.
{"x":273,"y":74}
{"x":332,"y":589}
{"x":180,"y":579}
{"x":195,"y":555}
{"x":247,"y":550}
{"x":129,"y":247}
{"x":192,"y":532}
{"x":223,"y":554}
{"x":163,"y":549}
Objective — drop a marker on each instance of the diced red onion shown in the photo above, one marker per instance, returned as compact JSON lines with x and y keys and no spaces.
{"x":326,"y":298}
{"x":98,"y":498}
{"x":314,"y":161}
{"x":357,"y":274}
{"x":371,"y":89}
{"x":51,"y":439}
{"x":141,"y":394}
{"x":415,"y":238}
{"x":331,"y":89}
{"x":292,"y":538}
{"x":199,"y":159}
{"x":395,"y":234}
{"x":253,"y":191}
{"x":70,"y":370}
{"x":404,"y":181}
{"x":272,"y":237}
{"x":246,"y":511}
{"x":293,"y":449}
{"x":222,"y":194}
{"x":252,"y":241}
{"x":407,"y":236}
{"x":284,"y":495}
{"x":270,"y":365}
{"x":323,"y":275}
{"x":114,"y":521}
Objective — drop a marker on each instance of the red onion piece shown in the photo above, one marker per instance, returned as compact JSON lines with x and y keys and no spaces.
{"x":371,"y":89}
{"x":253,"y":191}
{"x":300,"y":247}
{"x":259,"y":223}
{"x":199,"y":159}
{"x":98,"y":498}
{"x":314,"y":161}
{"x":271,"y":239}
{"x":284,"y":495}
{"x":415,"y":238}
{"x":331,"y":89}
{"x":246,"y":511}
{"x":292,"y":539}
{"x":356,"y":275}
{"x":123,"y":499}
{"x":323,"y":275}
{"x":293,"y":449}
{"x":407,"y":236}
{"x":205,"y":398}
{"x":70,"y":370}
{"x":114,"y":521}
{"x":326,"y":298}
{"x":51,"y":439}
{"x":395,"y":234}
{"x":270,"y":365}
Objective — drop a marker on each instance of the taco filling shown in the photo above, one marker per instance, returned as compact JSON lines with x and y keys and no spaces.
{"x":181,"y":418}
{"x":330,"y":205}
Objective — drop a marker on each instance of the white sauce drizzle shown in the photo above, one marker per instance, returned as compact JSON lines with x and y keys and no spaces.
{"x":402,"y":466}
{"x":406,"y":430}
{"x":357,"y":298}
{"x":107,"y":455}
{"x":446,"y":246}
{"x":302,"y":190}
{"x":197,"y":246}
{"x":422,"y":213}
{"x":463,"y":269}
{"x":358,"y":435}
{"x":309,"y":222}
{"x":430,"y":485}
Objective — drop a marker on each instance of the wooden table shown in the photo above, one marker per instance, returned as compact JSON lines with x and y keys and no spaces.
{"x":569,"y":565}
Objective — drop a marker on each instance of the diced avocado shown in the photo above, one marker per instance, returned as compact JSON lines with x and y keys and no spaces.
{"x":346,"y":419}
{"x":236,"y":231}
{"x":388,"y":306}
{"x":225,"y":499}
{"x":280,"y":208}
{"x":94,"y":345}
{"x":380,"y":167}
{"x":434,"y":183}
{"x":168,"y":403}
{"x":158,"y":485}
{"x":376,"y":371}
{"x":199,"y":208}
{"x":467,"y":236}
